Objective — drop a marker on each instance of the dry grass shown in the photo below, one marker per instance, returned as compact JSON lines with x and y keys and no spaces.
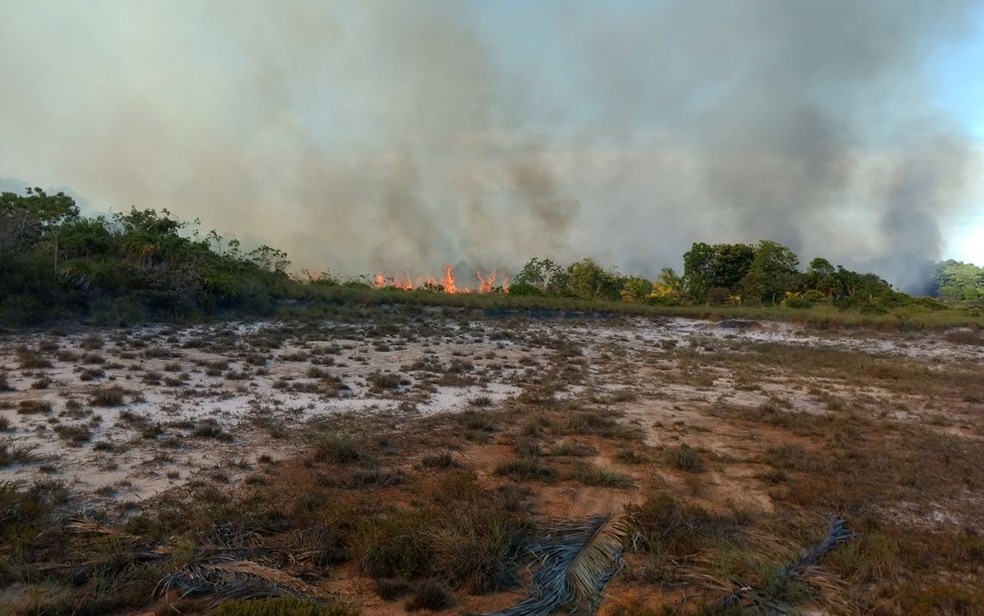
{"x":727,"y":453}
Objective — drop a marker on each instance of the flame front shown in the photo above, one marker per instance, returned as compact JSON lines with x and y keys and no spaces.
{"x":447,"y":284}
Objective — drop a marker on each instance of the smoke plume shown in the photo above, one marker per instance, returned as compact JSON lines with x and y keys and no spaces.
{"x":393,"y":136}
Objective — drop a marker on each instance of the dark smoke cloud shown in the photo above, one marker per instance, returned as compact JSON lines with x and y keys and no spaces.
{"x":391,"y":135}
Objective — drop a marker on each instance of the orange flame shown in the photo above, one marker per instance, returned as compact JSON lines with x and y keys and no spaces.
{"x":447,"y":284}
{"x":448,"y":281}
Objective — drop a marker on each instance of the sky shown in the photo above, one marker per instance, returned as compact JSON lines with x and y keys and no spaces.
{"x":384,"y":135}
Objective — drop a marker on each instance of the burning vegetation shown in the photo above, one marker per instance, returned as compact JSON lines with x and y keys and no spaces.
{"x":447,"y":283}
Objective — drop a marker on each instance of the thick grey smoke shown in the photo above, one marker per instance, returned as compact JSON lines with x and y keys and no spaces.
{"x":396,"y":136}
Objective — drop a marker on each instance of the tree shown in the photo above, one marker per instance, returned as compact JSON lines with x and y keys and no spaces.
{"x":668,"y":284}
{"x":698,"y":267}
{"x":773,"y":271}
{"x":544,"y":275}
{"x":590,"y":280}
{"x":956,"y":280}
{"x":269,"y":259}
{"x":721,"y":266}
{"x":34,"y":217}
{"x":731,"y":263}
{"x":635,"y":289}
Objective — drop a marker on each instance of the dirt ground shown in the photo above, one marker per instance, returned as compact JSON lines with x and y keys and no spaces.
{"x":751,"y":433}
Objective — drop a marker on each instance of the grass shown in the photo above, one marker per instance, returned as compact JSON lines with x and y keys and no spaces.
{"x":33,"y":407}
{"x":573,"y":449}
{"x":11,"y":453}
{"x":443,"y":460}
{"x":820,"y":316}
{"x":907,"y":485}
{"x":334,"y":448}
{"x":527,"y":469}
{"x":384,"y":381}
{"x":75,"y":435}
{"x":685,"y":458}
{"x":429,"y":595}
{"x":109,"y":396}
{"x":594,"y":475}
{"x":283,"y":606}
{"x":205,"y":429}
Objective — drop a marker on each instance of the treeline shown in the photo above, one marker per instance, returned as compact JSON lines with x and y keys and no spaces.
{"x":138,"y":265}
{"x":148,"y":265}
{"x":766,"y":273}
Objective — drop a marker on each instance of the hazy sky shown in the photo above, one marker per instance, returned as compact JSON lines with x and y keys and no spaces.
{"x":398,"y":135}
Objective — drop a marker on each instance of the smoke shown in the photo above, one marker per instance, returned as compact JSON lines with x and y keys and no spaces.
{"x":396,"y":136}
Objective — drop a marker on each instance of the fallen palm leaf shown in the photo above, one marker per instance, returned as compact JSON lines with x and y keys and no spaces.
{"x":235,"y":579}
{"x":576,"y":563}
{"x":809,"y":561}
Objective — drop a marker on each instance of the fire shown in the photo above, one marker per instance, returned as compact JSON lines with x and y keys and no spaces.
{"x":448,"y":281}
{"x":447,"y":284}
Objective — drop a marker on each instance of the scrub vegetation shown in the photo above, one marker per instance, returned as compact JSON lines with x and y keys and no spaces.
{"x":146,"y":265}
{"x":463,"y":462}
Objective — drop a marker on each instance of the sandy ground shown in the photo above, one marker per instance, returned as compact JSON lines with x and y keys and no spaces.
{"x":119,"y":417}
{"x":214,"y":401}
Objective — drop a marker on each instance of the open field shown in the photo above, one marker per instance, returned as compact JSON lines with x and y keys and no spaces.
{"x":408,"y":458}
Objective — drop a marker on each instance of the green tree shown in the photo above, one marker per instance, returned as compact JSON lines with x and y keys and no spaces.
{"x":543,"y":275}
{"x":269,"y":259}
{"x":635,"y":289}
{"x":956,"y":280}
{"x":26,"y":221}
{"x":773,"y":271}
{"x":590,"y":280}
{"x":721,"y":267}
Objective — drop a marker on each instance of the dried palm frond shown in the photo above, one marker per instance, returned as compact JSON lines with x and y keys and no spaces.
{"x":234,"y":579}
{"x":576,"y":563}
{"x":82,"y":526}
{"x":806,"y":564}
